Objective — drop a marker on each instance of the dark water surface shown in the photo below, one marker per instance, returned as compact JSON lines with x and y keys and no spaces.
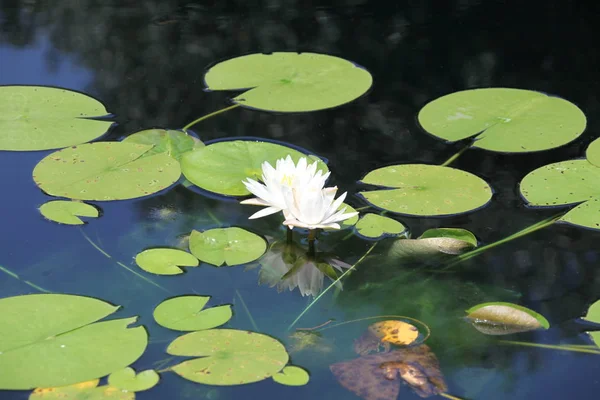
{"x":145,"y":61}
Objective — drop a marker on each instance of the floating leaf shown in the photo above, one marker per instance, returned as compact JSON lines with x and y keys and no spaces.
{"x":171,"y":142}
{"x":105,"y":171}
{"x":350,"y":222}
{"x":458,"y":234}
{"x":593,"y":315}
{"x":229,"y":357}
{"x":49,"y":340}
{"x":68,"y":212}
{"x":565,"y":183}
{"x":231,"y":246}
{"x":185,"y":314}
{"x":432,"y":246}
{"x":43,"y":118}
{"x":221,"y":167}
{"x":593,"y":153}
{"x":504,"y":120}
{"x":290,"y":82}
{"x":86,"y":390}
{"x":386,"y":333}
{"x":165,"y":261}
{"x":375,"y":226}
{"x":504,"y":318}
{"x":426,"y":190}
{"x":292,"y":376}
{"x":126,"y":379}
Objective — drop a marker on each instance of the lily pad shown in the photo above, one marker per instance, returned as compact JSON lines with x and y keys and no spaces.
{"x":593,"y":315}
{"x":221,"y":167}
{"x":68,"y":212}
{"x":186,"y":313}
{"x":105,"y":171}
{"x":88,"y":390}
{"x":350,"y":222}
{"x":49,"y":340}
{"x":458,"y":234}
{"x":231,"y":246}
{"x":290,"y":82}
{"x":171,"y":142}
{"x":504,"y":120}
{"x":504,"y":318}
{"x":292,"y":376}
{"x":43,"y":118}
{"x":566,"y":183}
{"x":126,"y":379}
{"x":165,"y":261}
{"x":228,"y":356}
{"x":426,"y":190}
{"x":375,"y":226}
{"x":593,"y":153}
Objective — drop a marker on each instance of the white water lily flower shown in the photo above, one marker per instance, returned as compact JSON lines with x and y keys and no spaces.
{"x":279,"y":180}
{"x":312,"y":208}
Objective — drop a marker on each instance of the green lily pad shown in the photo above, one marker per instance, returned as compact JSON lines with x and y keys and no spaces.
{"x":593,"y":315}
{"x":231,"y":246}
{"x":374,"y":226}
{"x":221,"y":167}
{"x":165,"y":261}
{"x":229,"y":357}
{"x":290,"y":82}
{"x":51,"y":340}
{"x":426,"y":190}
{"x":126,"y":379}
{"x":171,"y":142}
{"x":292,"y":376}
{"x":350,"y":222}
{"x":42,"y":118}
{"x":451,"y":233}
{"x":593,"y":153}
{"x":566,"y":183}
{"x":499,"y":318}
{"x":504,"y":120}
{"x":186,"y":313}
{"x":105,"y":171}
{"x":88,"y":390}
{"x":68,"y":212}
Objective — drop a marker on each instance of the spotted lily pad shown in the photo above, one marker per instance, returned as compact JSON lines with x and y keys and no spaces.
{"x":49,"y":340}
{"x":68,"y":212}
{"x":221,"y":167}
{"x":426,"y":190}
{"x":228,"y":356}
{"x":504,"y":318}
{"x":88,"y":390}
{"x":127,"y":380}
{"x":165,"y":261}
{"x":292,"y":376}
{"x":43,"y":118}
{"x":566,"y":183}
{"x":186,"y":313}
{"x":231,"y":246}
{"x":593,"y":315}
{"x":504,"y":120}
{"x":373,"y":226}
{"x":290,"y":82}
{"x":171,"y":142}
{"x":105,"y":171}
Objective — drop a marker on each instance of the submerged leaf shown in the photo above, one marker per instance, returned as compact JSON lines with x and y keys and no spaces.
{"x":186,"y":313}
{"x":459,"y":234}
{"x":88,"y":390}
{"x":105,"y":171}
{"x":171,"y":142}
{"x":231,"y":246}
{"x":432,"y":246}
{"x":126,"y":379}
{"x":290,"y":82}
{"x":504,"y":318}
{"x":228,"y":356}
{"x":386,"y":333}
{"x":375,"y":226}
{"x":504,"y":120}
{"x":292,"y":376}
{"x":68,"y":212}
{"x":221,"y":167}
{"x":43,"y":118}
{"x":165,"y":261}
{"x":426,"y":190}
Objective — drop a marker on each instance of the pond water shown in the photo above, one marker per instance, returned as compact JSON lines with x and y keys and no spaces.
{"x":145,"y":61}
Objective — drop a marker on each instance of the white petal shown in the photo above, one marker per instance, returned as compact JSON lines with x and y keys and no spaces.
{"x":255,"y":202}
{"x":264,"y":212}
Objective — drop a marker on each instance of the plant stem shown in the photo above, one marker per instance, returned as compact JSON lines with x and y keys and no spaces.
{"x":312,"y":303}
{"x":247,"y":311}
{"x":553,"y":347}
{"x":207,"y":116}
{"x":17,"y":277}
{"x":312,"y":235}
{"x":455,"y":156}
{"x":289,"y":236}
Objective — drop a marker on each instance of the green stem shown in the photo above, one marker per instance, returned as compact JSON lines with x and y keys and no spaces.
{"x":312,"y":303}
{"x":289,"y":235}
{"x":247,"y":311}
{"x":455,"y":156}
{"x":554,"y":347}
{"x":207,"y":116}
{"x":312,"y":235}
{"x":17,"y":277}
